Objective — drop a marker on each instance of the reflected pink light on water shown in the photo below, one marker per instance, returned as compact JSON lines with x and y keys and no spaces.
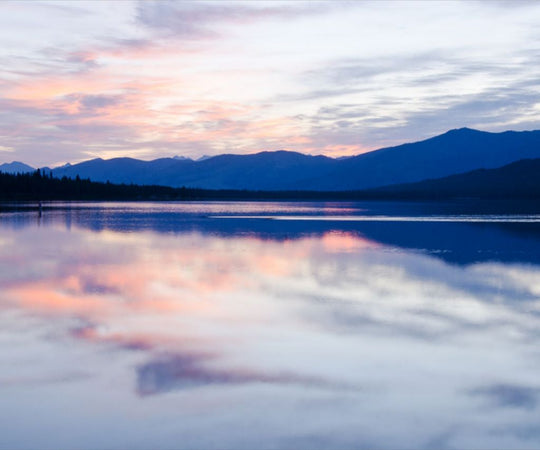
{"x":194,"y":329}
{"x":199,"y":283}
{"x":345,"y":242}
{"x":46,"y":298}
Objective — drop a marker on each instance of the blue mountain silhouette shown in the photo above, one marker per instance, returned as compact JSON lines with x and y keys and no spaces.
{"x":456,"y":151}
{"x":16,"y":167}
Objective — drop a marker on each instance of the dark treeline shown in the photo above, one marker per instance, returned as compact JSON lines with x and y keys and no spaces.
{"x":37,"y":186}
{"x":520,"y":180}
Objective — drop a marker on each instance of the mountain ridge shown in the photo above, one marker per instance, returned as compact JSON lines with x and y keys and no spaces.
{"x":519,"y":179}
{"x":517,"y":182}
{"x":16,"y":167}
{"x":453,"y":152}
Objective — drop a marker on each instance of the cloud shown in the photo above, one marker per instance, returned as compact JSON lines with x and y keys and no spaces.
{"x":151,"y":79}
{"x":98,"y":101}
{"x":403,"y":98}
{"x":513,"y":4}
{"x":201,"y":20}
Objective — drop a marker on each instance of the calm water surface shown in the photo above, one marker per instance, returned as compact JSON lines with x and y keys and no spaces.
{"x":268,"y":326}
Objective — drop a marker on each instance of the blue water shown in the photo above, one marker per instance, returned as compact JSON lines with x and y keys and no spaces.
{"x":226,"y":325}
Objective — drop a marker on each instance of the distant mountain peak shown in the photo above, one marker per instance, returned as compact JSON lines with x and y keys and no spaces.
{"x":16,"y":167}
{"x":463,"y":130}
{"x":456,"y":151}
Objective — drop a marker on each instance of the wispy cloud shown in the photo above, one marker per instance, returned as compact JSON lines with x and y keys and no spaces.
{"x":159,"y":78}
{"x":196,"y":20}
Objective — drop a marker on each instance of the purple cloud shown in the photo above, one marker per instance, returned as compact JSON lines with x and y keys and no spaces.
{"x":196,"y":20}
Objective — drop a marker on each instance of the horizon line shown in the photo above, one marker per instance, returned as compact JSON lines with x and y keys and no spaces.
{"x":205,"y":157}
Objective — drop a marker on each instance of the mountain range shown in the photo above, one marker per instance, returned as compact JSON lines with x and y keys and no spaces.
{"x":520,"y":179}
{"x":454,"y":152}
{"x":16,"y":167}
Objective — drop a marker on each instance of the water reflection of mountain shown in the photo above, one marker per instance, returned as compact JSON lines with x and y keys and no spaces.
{"x":454,"y":242}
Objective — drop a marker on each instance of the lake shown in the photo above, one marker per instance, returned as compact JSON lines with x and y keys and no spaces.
{"x":218,"y":325}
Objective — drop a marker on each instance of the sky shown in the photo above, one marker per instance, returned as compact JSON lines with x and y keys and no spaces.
{"x":151,"y":79}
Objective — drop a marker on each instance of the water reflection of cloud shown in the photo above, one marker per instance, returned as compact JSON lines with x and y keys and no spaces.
{"x":356,"y":282}
{"x":184,"y":371}
{"x":508,"y":395}
{"x":133,"y":341}
{"x":65,"y":377}
{"x":311,"y":318}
